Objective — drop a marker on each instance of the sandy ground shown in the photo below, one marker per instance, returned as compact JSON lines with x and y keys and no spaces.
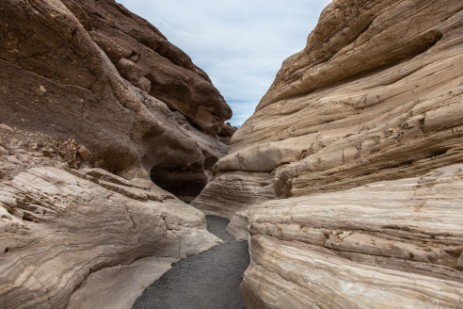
{"x":208,"y":280}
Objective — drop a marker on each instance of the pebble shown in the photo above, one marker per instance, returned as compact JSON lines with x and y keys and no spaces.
{"x":84,"y":152}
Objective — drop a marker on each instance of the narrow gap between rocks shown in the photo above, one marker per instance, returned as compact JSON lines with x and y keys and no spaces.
{"x":208,"y":280}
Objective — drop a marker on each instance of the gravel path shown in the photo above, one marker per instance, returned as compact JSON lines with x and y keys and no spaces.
{"x":209,"y":280}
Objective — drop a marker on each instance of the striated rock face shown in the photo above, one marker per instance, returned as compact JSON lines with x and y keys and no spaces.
{"x":365,"y":247}
{"x":87,"y":88}
{"x":94,"y":72}
{"x":346,"y":178}
{"x":58,"y":226}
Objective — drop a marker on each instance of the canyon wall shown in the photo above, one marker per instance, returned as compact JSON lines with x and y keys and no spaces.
{"x":94,"y":72}
{"x":347,"y":178}
{"x":90,"y":92}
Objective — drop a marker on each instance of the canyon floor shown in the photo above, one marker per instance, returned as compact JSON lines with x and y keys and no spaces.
{"x":210,"y":279}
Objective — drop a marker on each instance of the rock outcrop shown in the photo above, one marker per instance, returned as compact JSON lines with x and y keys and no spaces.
{"x":89,"y":93}
{"x":59,"y":226}
{"x":347,"y":179}
{"x":94,"y":72}
{"x":83,"y":238}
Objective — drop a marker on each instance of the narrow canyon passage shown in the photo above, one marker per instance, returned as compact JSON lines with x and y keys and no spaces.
{"x":207,"y":280}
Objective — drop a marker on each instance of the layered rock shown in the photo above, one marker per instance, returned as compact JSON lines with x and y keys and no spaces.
{"x":73,"y":237}
{"x":376,"y":95}
{"x":59,"y":226}
{"x":94,"y":72}
{"x":397,"y":240}
{"x":87,"y":88}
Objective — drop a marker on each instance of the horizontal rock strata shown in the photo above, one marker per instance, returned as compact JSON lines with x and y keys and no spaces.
{"x":375,"y":96}
{"x":387,"y":241}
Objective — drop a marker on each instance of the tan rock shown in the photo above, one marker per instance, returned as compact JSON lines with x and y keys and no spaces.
{"x":6,"y":127}
{"x":3,"y":151}
{"x":376,"y":95}
{"x":118,"y":287}
{"x":57,"y":228}
{"x":362,"y":248}
{"x":84,"y":153}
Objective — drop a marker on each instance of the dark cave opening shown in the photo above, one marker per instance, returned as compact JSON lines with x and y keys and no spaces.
{"x":184,"y":182}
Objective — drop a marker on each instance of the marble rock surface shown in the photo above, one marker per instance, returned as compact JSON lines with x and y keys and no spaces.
{"x":60,"y":227}
{"x":346,"y":179}
{"x":385,"y":243}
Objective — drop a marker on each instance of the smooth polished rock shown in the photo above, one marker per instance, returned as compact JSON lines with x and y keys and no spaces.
{"x":391,"y":241}
{"x":58,"y":227}
{"x":347,"y":179}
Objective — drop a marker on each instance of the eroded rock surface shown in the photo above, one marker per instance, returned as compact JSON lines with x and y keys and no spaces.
{"x":208,"y":280}
{"x":83,"y":238}
{"x":375,"y":96}
{"x":395,"y":240}
{"x":58,"y":226}
{"x":94,"y":72}
{"x":90,"y":92}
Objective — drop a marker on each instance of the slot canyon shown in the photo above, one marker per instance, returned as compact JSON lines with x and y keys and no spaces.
{"x":124,"y":185}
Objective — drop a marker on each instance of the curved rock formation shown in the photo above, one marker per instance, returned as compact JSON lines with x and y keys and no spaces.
{"x":67,"y":234}
{"x":87,"y":88}
{"x":59,"y":226}
{"x":358,"y":142}
{"x":94,"y":72}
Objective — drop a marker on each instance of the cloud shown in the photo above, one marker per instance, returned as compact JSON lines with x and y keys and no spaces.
{"x":240,"y":44}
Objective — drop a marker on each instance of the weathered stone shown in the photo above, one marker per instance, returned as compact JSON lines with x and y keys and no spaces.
{"x":57,"y":227}
{"x":77,"y":85}
{"x":376,"y":95}
{"x":6,"y":127}
{"x":65,"y":81}
{"x":84,"y":153}
{"x":3,"y":151}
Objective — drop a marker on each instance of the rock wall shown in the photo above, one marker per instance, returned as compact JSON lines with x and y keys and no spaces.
{"x":346,"y":178}
{"x":59,"y":226}
{"x":83,"y":238}
{"x":93,"y":71}
{"x":90,"y":92}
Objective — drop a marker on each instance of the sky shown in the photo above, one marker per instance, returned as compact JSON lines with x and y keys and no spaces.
{"x":241,"y":44}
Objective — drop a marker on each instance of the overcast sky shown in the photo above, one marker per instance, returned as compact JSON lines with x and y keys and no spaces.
{"x":239,"y":43}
